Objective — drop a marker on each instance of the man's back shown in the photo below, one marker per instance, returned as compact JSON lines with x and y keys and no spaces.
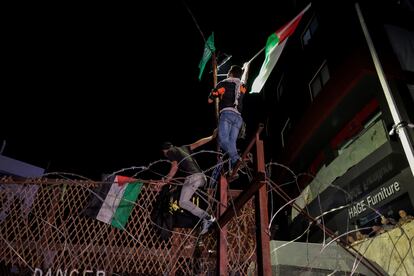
{"x":187,"y":164}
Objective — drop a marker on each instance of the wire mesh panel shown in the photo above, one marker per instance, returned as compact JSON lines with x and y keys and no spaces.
{"x":43,"y":227}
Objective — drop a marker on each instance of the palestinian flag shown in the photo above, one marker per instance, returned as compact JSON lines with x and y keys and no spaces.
{"x":112,"y":203}
{"x":273,"y":49}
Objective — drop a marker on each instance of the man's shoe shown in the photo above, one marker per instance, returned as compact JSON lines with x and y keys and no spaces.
{"x":206,"y":224}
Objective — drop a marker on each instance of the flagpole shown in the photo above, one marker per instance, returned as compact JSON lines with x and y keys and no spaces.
{"x":256,"y":55}
{"x":195,"y":21}
{"x":216,"y":100}
{"x":399,"y":125}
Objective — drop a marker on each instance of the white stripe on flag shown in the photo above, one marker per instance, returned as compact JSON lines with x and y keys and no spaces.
{"x":268,"y":67}
{"x":111,"y":202}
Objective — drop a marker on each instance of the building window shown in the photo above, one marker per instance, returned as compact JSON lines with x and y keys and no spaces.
{"x":284,"y":132}
{"x":319,"y":80}
{"x":310,"y":31}
{"x":280,"y":88}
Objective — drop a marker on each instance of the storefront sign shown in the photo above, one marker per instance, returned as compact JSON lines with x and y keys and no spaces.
{"x":373,"y":199}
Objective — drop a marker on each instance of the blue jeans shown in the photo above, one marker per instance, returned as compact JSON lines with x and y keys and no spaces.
{"x":228,"y":130}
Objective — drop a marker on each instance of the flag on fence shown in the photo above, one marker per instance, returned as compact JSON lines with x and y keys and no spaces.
{"x":273,"y":49}
{"x":112,"y":203}
{"x":208,"y":51}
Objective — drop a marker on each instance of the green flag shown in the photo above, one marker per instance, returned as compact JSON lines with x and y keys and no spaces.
{"x":208,"y":50}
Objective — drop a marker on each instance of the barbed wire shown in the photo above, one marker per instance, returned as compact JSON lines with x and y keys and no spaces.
{"x":240,"y":232}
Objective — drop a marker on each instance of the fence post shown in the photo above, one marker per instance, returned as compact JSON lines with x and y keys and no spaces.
{"x":262,"y":217}
{"x":222,"y":259}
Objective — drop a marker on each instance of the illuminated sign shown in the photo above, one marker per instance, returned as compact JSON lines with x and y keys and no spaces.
{"x":373,"y":199}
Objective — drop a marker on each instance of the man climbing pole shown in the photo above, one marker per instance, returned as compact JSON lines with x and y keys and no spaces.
{"x":181,"y":159}
{"x":230,"y":92}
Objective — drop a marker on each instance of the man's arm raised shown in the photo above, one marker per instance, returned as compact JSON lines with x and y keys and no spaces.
{"x":203,"y":141}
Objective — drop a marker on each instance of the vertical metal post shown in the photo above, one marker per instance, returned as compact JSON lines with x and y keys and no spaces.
{"x":222,"y":259}
{"x":401,"y":129}
{"x":216,"y":100}
{"x":262,"y":218}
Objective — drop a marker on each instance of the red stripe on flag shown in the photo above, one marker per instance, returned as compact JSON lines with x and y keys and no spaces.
{"x":122,"y":180}
{"x":288,"y":29}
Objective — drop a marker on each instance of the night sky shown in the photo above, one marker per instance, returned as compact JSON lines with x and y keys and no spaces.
{"x":93,"y":88}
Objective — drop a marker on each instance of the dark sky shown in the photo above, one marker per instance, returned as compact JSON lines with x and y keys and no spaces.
{"x":93,"y":88}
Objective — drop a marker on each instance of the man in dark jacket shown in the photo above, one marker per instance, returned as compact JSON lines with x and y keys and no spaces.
{"x":230,"y":92}
{"x":181,"y":159}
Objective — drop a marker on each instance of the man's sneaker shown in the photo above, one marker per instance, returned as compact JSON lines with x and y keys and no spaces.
{"x":206,"y":224}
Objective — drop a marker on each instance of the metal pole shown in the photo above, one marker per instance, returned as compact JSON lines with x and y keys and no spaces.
{"x":262,"y":217}
{"x":222,"y":257}
{"x":401,"y":127}
{"x":216,"y":100}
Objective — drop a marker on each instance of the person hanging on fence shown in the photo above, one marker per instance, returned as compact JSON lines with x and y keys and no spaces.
{"x":230,"y":92}
{"x":181,"y":159}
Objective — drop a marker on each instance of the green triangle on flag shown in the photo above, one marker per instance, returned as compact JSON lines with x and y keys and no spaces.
{"x":113,"y":203}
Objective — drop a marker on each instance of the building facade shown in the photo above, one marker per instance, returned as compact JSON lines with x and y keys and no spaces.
{"x":327,"y":118}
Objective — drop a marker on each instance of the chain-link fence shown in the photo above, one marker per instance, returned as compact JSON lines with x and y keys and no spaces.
{"x":43,"y":228}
